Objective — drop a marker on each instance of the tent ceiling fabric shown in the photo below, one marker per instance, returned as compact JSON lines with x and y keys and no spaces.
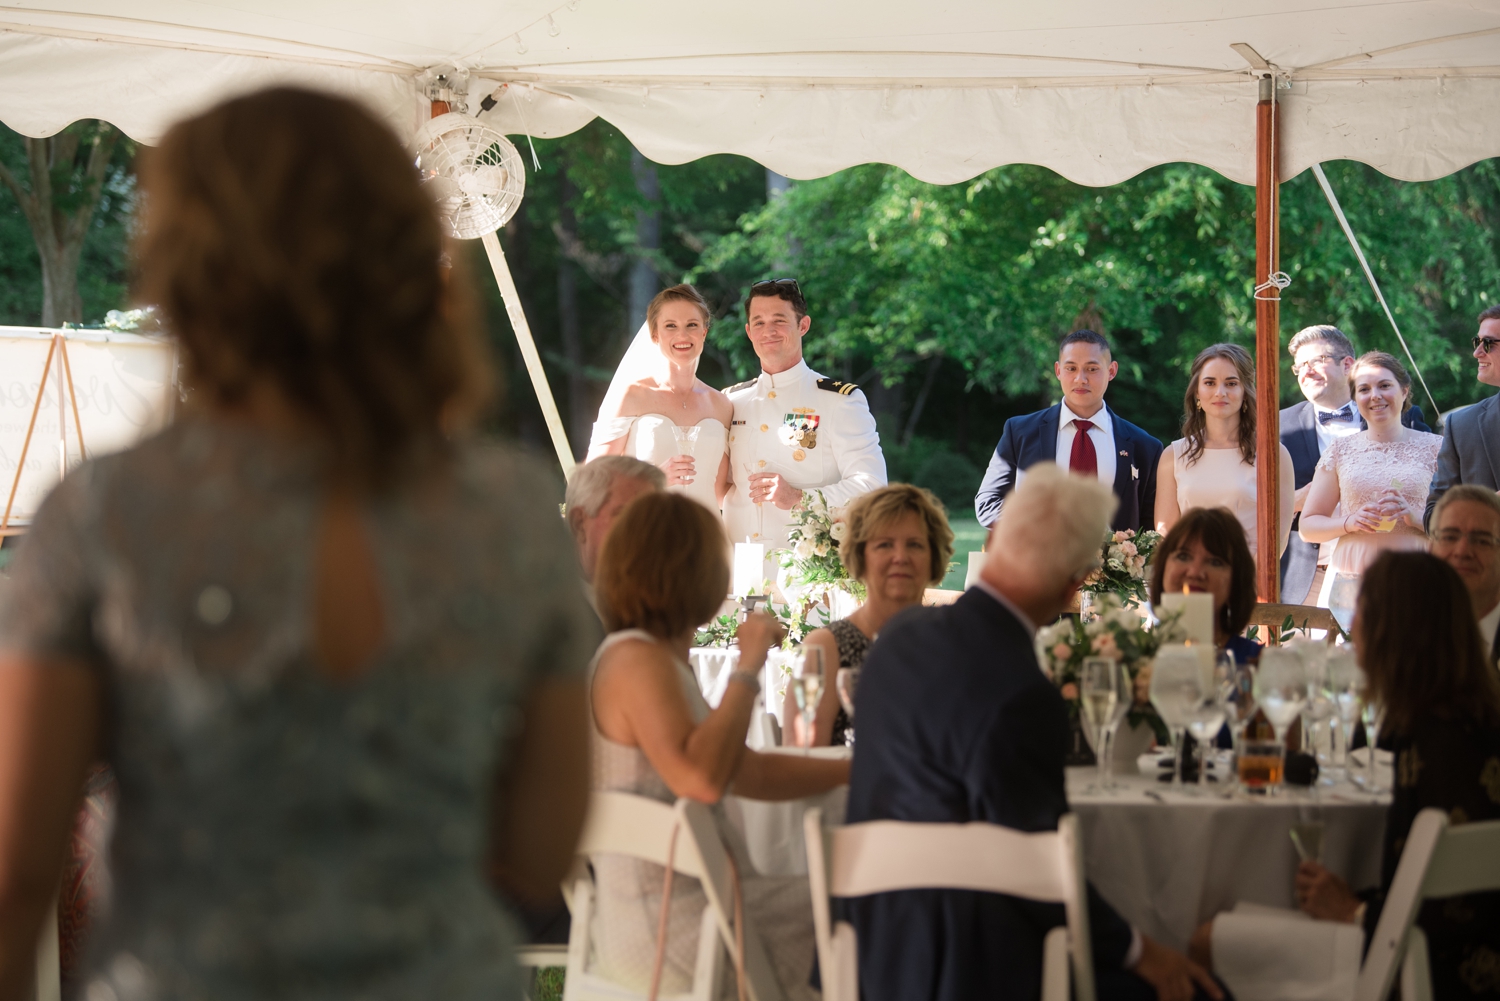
{"x":1094,"y":89}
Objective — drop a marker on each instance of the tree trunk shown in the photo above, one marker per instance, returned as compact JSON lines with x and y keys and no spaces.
{"x":645,"y":282}
{"x":579,"y":402}
{"x":59,"y":208}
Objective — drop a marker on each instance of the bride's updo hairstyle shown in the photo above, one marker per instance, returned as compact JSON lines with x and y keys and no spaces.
{"x":677,"y":293}
{"x":286,"y":241}
{"x":664,"y":566}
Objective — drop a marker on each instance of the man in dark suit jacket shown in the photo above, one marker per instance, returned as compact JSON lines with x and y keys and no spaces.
{"x":957,"y":723}
{"x":1471,"y":436}
{"x":1466,"y":535}
{"x":1322,"y":357}
{"x":1119,"y":453}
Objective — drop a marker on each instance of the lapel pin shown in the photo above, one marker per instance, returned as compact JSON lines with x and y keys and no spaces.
{"x":1135,"y":474}
{"x":1124,"y":453}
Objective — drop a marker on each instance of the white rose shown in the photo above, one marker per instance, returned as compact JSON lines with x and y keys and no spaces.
{"x":803,"y":549}
{"x":838,"y":530}
{"x":821,"y":549}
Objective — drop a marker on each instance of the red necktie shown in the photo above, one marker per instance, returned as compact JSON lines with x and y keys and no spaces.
{"x":1084,"y":461}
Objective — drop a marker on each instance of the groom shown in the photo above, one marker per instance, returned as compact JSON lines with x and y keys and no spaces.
{"x":794,"y":430}
{"x":1120,"y":454}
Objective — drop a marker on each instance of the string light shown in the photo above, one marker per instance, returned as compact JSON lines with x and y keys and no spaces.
{"x":520,"y":45}
{"x":552,"y":28}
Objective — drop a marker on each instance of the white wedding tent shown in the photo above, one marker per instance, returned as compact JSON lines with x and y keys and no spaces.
{"x":1094,"y":89}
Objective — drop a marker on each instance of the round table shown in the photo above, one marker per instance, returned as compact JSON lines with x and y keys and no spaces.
{"x":1169,"y":861}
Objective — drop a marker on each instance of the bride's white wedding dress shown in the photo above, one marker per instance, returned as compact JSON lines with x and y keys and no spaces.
{"x":649,"y":437}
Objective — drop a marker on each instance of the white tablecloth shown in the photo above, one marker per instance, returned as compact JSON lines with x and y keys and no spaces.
{"x":1170,"y":865}
{"x":773,"y":831}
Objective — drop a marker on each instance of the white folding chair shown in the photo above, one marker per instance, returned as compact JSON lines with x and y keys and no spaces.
{"x":1437,"y":861}
{"x":881,"y":856}
{"x":48,"y":986}
{"x":623,"y":824}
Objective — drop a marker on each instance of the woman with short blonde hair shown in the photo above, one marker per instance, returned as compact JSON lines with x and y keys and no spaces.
{"x":897,"y":543}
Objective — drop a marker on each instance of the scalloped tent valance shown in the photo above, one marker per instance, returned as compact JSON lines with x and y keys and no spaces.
{"x":1094,"y":89}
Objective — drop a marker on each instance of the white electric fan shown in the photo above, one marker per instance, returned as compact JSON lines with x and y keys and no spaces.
{"x":477,"y":178}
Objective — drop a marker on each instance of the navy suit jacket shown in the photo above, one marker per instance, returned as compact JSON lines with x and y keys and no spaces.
{"x":1299,"y":434}
{"x":1032,"y":438}
{"x":956,"y":724}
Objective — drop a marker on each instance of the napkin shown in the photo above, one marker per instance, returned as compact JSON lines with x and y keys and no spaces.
{"x":1263,"y":954}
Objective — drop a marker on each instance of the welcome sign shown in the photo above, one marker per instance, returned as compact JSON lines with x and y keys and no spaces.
{"x":125,"y":388}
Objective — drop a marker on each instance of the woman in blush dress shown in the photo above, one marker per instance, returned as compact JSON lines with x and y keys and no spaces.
{"x":1213,"y":463}
{"x":332,"y":647}
{"x":657,"y":411}
{"x":1370,"y":489}
{"x":896,"y":543}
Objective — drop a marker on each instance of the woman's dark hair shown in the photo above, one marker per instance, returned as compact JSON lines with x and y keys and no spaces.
{"x":664,"y":566}
{"x":1221,"y":534}
{"x":1195,"y":422}
{"x":1420,"y":646}
{"x":286,"y":239}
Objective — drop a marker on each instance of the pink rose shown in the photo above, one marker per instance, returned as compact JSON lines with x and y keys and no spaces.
{"x":1128,"y":548}
{"x":1120,"y":536}
{"x":1070,"y":691}
{"x":1105,"y":646}
{"x":1062,"y":652}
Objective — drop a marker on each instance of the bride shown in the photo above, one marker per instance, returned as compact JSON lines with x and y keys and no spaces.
{"x":668,"y":416}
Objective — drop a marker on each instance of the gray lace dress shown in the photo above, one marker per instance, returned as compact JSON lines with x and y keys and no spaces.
{"x":282,"y":835}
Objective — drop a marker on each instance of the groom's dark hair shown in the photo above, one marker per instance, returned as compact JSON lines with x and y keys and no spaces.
{"x":1085,"y":337}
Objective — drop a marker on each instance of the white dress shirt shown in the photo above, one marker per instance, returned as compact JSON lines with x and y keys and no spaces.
{"x":1102,"y":434}
{"x":1487,"y":627}
{"x":1329,"y":433}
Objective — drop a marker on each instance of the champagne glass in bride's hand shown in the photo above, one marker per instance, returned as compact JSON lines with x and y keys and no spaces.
{"x":681,"y":468}
{"x":807,"y":687}
{"x":844,"y":682}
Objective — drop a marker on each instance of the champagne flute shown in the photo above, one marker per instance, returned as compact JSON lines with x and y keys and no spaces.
{"x":1307,"y":834}
{"x":1374,"y":716}
{"x":1176,"y":688}
{"x":807,"y":687}
{"x":687,"y":441}
{"x":844,"y":682}
{"x":1126,"y":686}
{"x":1099,"y":693}
{"x":1281,"y":690}
{"x":1320,"y":705}
{"x":760,"y":515}
{"x":1347,"y":684}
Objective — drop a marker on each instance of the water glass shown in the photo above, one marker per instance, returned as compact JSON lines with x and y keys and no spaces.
{"x":1347,"y":683}
{"x":844,"y":683}
{"x":1281,"y":688}
{"x":1211,"y":712}
{"x":1177,"y":689}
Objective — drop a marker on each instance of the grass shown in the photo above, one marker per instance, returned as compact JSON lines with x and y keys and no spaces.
{"x":548,"y":985}
{"x":968,"y":536}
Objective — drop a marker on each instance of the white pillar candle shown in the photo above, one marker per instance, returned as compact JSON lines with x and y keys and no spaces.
{"x":976,"y":565}
{"x":749,"y":568}
{"x":1197,"y":621}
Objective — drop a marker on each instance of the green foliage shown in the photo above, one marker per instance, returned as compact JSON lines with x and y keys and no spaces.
{"x":719,"y":632}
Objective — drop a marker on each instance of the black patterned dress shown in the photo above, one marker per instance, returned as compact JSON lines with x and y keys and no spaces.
{"x":853,"y":645}
{"x":1454,"y":767}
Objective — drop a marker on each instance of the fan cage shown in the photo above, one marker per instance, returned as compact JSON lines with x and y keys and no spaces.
{"x":477,"y":174}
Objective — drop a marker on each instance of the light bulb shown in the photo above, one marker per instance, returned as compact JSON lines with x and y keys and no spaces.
{"x":552,"y":28}
{"x":520,"y":45}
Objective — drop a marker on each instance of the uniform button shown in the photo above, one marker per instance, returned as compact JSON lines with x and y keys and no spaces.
{"x":761,"y":463}
{"x":765,"y":427}
{"x":773,"y":394}
{"x":799,"y":455}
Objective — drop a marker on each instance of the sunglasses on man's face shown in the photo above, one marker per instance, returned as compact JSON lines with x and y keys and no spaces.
{"x":1488,"y":343}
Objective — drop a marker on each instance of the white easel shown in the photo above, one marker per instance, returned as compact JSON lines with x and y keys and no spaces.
{"x":64,"y":373}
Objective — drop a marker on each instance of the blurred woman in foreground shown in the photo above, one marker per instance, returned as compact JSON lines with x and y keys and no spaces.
{"x":663,"y":572}
{"x":328,"y":644}
{"x":896,"y":543}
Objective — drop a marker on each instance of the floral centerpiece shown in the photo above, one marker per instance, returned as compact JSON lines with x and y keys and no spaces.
{"x":1122,"y":567}
{"x":815,"y":576}
{"x":1116,"y":632}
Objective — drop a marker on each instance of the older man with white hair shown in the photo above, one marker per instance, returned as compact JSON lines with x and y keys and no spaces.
{"x":957,"y":724}
{"x":597,"y":494}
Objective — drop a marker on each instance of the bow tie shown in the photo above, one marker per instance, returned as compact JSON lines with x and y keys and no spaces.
{"x":1341,"y":414}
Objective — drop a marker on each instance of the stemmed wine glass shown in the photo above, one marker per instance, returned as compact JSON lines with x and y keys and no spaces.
{"x":1176,"y":689}
{"x":1320,"y":705}
{"x":807,"y":687}
{"x":1347,"y":683}
{"x":1099,"y":694}
{"x":844,"y":683}
{"x":1207,"y":716}
{"x":1241,"y":701}
{"x":1374,"y":716}
{"x":1281,"y":690}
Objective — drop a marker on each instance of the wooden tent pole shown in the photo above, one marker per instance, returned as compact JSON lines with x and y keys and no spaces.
{"x":1267,"y":347}
{"x":528,"y":352}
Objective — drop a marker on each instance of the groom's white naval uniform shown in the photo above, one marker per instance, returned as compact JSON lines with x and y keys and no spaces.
{"x":814,"y":431}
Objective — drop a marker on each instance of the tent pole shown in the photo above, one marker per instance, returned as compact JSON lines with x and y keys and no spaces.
{"x":528,"y":352}
{"x":1267,"y":347}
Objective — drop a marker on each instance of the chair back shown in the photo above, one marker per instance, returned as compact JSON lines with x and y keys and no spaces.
{"x":883,"y":856}
{"x":1437,"y":861}
{"x":626,"y":824}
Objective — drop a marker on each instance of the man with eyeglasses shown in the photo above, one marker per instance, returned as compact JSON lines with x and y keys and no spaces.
{"x":1471,"y":436}
{"x":1466,"y":535}
{"x":794,"y":430}
{"x":1322,"y":356}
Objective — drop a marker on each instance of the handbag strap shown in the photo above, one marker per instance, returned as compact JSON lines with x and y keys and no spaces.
{"x":666,"y":907}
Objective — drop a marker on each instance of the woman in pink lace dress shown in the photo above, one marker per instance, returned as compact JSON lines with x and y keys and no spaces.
{"x":1370,"y":489}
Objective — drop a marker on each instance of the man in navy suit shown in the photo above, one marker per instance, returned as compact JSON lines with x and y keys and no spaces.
{"x":958,"y":724}
{"x":1322,"y":357}
{"x":1120,"y":454}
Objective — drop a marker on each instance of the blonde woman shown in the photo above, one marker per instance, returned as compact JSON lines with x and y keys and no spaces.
{"x":897,"y":543}
{"x":1213,"y":463}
